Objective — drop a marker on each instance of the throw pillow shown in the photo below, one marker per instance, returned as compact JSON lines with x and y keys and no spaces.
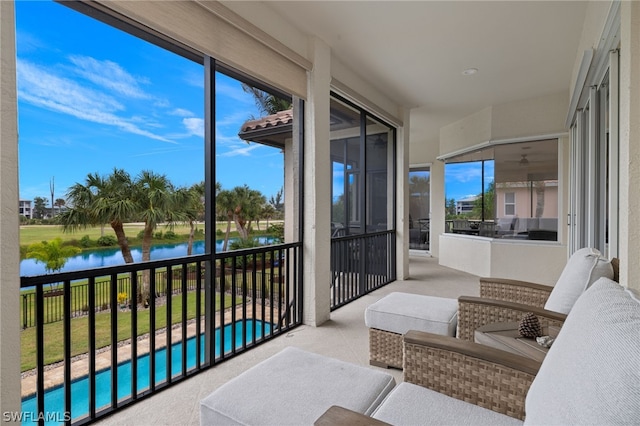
{"x":583,"y":268}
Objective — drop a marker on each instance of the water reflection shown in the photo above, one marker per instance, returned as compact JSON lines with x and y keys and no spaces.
{"x":113,"y":257}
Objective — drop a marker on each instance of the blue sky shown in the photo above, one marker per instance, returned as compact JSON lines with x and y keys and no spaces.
{"x":465,"y":179}
{"x":91,"y":98}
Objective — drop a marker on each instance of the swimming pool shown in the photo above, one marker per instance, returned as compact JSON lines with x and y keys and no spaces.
{"x":54,"y":398}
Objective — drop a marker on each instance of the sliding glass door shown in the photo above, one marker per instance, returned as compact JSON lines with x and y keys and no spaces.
{"x":419,"y":207}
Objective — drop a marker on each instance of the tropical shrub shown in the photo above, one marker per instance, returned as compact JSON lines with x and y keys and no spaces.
{"x":107,"y":241}
{"x":86,"y":242}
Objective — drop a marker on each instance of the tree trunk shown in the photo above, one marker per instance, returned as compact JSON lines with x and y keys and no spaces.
{"x":122,"y":242}
{"x":226,"y":235}
{"x":146,"y":256}
{"x":240,"y":226}
{"x":192,"y":231}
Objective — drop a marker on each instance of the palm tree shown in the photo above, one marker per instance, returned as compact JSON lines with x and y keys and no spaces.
{"x":154,"y":204}
{"x":268,"y":211}
{"x":276,"y":201}
{"x":190,"y":201}
{"x":59,"y":203}
{"x":248,"y":204}
{"x":102,"y":200}
{"x":153,"y":198}
{"x":118,"y":199}
{"x":225,"y":204}
{"x":267,"y":103}
{"x":52,"y":253}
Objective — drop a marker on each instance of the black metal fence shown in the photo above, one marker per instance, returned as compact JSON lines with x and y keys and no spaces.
{"x":219,"y":305}
{"x":361,"y":264}
{"x":53,"y":302}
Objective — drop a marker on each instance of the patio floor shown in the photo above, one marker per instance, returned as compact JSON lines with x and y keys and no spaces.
{"x":344,"y":337}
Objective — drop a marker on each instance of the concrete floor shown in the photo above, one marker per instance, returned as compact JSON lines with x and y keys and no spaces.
{"x":344,"y":337}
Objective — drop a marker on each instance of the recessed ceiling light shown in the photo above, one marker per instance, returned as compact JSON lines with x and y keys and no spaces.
{"x":470,"y":71}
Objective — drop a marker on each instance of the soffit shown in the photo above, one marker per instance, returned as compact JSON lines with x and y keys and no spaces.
{"x":414,"y":52}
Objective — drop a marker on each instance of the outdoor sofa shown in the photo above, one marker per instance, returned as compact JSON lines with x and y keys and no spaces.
{"x":589,"y":376}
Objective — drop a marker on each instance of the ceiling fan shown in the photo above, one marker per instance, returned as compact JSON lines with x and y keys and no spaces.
{"x":524,"y":161}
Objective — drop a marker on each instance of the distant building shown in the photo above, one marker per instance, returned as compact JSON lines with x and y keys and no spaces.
{"x":26,"y":209}
{"x":465,"y":205}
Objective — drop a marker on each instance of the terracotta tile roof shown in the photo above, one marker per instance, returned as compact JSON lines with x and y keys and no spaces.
{"x":278,"y":119}
{"x":271,"y":130}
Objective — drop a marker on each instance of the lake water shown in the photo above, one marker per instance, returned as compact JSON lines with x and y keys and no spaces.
{"x":113,"y":257}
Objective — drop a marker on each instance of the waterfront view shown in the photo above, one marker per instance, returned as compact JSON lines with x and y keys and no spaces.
{"x":113,"y":256}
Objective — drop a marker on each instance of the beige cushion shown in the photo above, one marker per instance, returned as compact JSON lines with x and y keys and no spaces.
{"x":294,"y":387}
{"x":411,"y":404}
{"x":591,"y":374}
{"x":584,"y":268}
{"x":400,"y":312}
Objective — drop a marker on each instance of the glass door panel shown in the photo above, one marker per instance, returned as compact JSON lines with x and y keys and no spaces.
{"x":419,"y":208}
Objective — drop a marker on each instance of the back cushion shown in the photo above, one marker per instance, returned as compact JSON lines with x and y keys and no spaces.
{"x":584,"y":267}
{"x":591,"y":374}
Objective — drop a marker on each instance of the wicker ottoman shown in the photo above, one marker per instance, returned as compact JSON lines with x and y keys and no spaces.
{"x":392,"y":316}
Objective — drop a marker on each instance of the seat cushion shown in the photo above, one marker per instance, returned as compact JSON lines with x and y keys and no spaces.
{"x":584,"y":268}
{"x":411,"y":404}
{"x":400,"y":312}
{"x":294,"y":387}
{"x":591,"y":374}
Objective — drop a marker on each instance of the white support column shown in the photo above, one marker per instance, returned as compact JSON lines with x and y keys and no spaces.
{"x":629,"y":145}
{"x":402,"y":198}
{"x":9,"y":222}
{"x":438,"y":207}
{"x":317,"y":189}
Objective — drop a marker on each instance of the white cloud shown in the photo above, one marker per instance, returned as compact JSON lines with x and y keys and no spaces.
{"x":109,"y":75}
{"x":232,"y":119}
{"x":181,"y":112}
{"x":195,"y":126}
{"x":463,"y":174}
{"x":234,"y":92}
{"x":243,"y":150}
{"x":40,"y":87}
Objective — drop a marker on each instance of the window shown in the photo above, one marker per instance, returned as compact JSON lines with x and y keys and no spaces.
{"x":521,"y":177}
{"x":419,"y":207}
{"x":509,"y":203}
{"x":362,"y":161}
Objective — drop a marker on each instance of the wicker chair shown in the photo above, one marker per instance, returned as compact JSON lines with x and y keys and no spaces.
{"x":450,"y":381}
{"x":505,"y":300}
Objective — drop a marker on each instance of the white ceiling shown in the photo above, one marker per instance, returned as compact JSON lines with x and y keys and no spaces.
{"x":414,"y":52}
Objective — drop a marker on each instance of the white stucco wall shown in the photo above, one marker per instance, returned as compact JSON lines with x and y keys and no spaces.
{"x":629,"y":145}
{"x":471,"y":130}
{"x":530,"y":117}
{"x":9,"y":224}
{"x":540,"y":262}
{"x":466,"y":253}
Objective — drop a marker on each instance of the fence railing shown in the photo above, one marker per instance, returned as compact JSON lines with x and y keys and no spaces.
{"x":219,"y":305}
{"x":54,"y":301}
{"x":361,"y":264}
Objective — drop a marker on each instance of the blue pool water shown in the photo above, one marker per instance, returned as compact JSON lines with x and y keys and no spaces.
{"x":54,"y":398}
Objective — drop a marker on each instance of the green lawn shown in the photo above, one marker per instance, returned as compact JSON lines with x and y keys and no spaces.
{"x":30,"y":234}
{"x":54,"y":333}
